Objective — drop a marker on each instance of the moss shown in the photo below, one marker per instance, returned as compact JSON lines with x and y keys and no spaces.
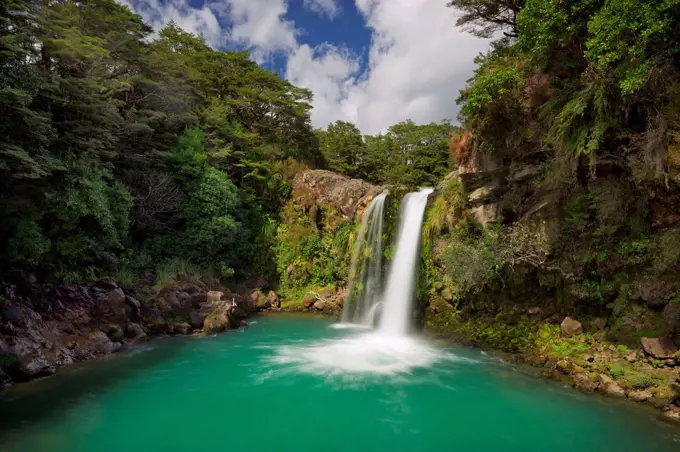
{"x":631,"y":378}
{"x":7,"y":361}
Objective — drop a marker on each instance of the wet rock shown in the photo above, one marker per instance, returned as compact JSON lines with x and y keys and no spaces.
{"x":320,"y":305}
{"x":563,"y":366}
{"x":570,"y":327}
{"x":659,"y":347}
{"x":95,"y":343}
{"x":672,"y":414}
{"x":116,"y":347}
{"x":114,"y":332}
{"x":259,"y":299}
{"x":610,"y":387}
{"x":243,"y":324}
{"x":273,"y":299}
{"x":182,"y":328}
{"x":132,"y":308}
{"x":584,"y":382}
{"x":196,"y":319}
{"x":640,"y":395}
{"x":134,"y":331}
{"x":216,"y":323}
{"x":112,"y":305}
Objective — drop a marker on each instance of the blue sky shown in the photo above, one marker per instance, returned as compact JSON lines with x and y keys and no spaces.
{"x":372,"y":62}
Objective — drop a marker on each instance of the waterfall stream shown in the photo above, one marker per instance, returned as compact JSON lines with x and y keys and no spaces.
{"x":403,"y":270}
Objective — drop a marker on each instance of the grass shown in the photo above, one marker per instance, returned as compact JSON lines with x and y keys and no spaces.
{"x":175,"y":270}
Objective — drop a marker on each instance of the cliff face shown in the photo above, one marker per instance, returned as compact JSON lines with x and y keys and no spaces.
{"x":512,"y":251}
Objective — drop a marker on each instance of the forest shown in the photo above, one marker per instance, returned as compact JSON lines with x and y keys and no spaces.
{"x":136,"y":155}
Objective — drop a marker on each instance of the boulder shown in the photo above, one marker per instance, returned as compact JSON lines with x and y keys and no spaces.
{"x":447,"y":295}
{"x":214,"y":296}
{"x":610,"y":387}
{"x":112,"y":305}
{"x":326,"y":293}
{"x":196,"y":319}
{"x":215,"y":323}
{"x":320,"y":305}
{"x":482,"y":193}
{"x":659,"y":347}
{"x":485,"y":214}
{"x":132,"y":307}
{"x":438,"y":286}
{"x":113,"y":331}
{"x":134,"y":331}
{"x":273,"y":299}
{"x":571,"y":327}
{"x":308,"y":301}
{"x":584,"y":382}
{"x":116,"y":347}
{"x":535,"y":311}
{"x":259,"y":299}
{"x":671,"y":317}
{"x":640,"y":395}
{"x":95,"y":343}
{"x":655,"y":292}
{"x":197,"y":298}
{"x":190,"y":288}
{"x":182,"y":328}
{"x":672,"y":414}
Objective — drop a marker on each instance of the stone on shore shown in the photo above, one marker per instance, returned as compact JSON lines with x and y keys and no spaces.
{"x":571,"y":327}
{"x":659,"y":347}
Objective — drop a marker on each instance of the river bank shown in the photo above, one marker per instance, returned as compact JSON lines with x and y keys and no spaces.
{"x":44,"y":328}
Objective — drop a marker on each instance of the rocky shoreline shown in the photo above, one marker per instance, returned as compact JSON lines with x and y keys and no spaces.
{"x":45,"y":328}
{"x":648,"y":374}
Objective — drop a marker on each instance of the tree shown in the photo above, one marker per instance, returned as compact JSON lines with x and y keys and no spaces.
{"x":484,"y":18}
{"x":342,"y":146}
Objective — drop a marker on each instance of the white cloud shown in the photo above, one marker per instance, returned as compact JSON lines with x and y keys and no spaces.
{"x":327,"y":8}
{"x":195,"y":20}
{"x":260,"y":25}
{"x":418,"y":60}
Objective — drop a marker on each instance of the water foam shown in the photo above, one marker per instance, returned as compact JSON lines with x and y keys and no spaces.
{"x":370,"y":354}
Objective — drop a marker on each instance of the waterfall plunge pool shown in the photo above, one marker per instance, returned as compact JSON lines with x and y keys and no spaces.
{"x":293,"y":383}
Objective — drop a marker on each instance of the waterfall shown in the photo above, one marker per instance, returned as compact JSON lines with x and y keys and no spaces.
{"x":402,"y":275}
{"x":364,"y":291}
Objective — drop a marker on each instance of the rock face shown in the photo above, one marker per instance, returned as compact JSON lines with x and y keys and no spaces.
{"x":318,"y":187}
{"x":67,"y":324}
{"x":658,"y":347}
{"x":571,"y":327}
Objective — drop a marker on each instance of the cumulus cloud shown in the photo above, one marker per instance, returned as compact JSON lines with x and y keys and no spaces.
{"x":327,"y":8}
{"x":417,"y":59}
{"x":259,"y":25}
{"x":158,"y":13}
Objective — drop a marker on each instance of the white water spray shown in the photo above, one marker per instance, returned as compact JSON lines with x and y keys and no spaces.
{"x":365,"y":290}
{"x":401,"y":281}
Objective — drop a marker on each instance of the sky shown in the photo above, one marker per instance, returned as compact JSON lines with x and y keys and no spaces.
{"x":371,"y":62}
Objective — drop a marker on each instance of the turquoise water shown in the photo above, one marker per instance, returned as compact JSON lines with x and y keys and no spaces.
{"x":295,"y":384}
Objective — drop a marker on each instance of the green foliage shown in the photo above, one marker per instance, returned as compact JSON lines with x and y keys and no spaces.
{"x":629,"y":377}
{"x":7,"y":360}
